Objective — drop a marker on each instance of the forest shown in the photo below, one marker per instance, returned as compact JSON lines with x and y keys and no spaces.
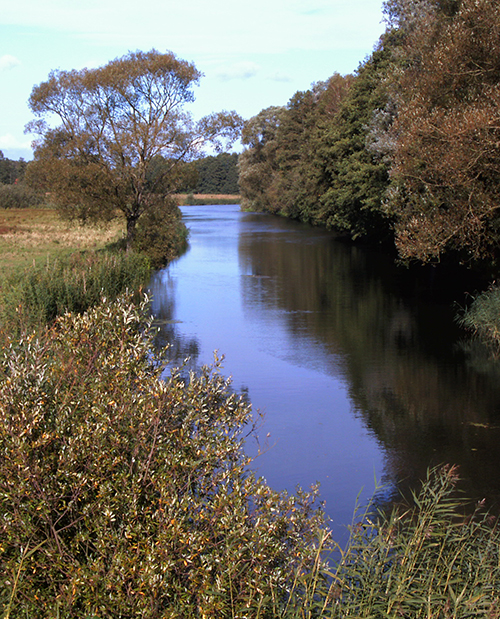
{"x":403,"y":152}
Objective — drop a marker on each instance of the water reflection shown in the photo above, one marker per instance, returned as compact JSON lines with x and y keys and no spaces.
{"x":358,"y":372}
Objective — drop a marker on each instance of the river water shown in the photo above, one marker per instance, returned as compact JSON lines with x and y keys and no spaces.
{"x":357,"y":366}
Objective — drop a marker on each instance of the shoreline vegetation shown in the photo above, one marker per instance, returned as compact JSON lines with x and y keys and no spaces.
{"x":127,"y":493}
{"x":195,"y":199}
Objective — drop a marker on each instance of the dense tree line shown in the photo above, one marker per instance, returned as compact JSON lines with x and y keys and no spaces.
{"x":215,"y":174}
{"x":11,"y":171}
{"x":405,"y":150}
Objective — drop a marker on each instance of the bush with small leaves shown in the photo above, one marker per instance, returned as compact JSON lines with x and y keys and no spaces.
{"x":123,"y":494}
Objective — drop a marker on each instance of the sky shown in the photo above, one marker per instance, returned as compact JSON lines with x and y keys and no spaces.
{"x":252,"y":53}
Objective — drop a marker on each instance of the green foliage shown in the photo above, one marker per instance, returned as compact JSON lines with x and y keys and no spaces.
{"x":312,"y":160}
{"x":161,"y":234}
{"x":11,"y":171}
{"x":41,"y":293}
{"x":215,"y":175}
{"x":483,"y":317}
{"x":354,"y":176}
{"x":124,"y":495}
{"x":19,"y":196}
{"x":257,"y":165}
{"x":200,"y":199}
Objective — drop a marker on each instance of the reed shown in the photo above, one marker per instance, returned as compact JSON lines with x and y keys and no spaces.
{"x":483,"y":318}
{"x":72,"y":284}
{"x":426,"y":559}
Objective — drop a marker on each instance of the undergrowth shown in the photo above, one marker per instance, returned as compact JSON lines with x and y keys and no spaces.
{"x":483,"y":318}
{"x":124,"y":494}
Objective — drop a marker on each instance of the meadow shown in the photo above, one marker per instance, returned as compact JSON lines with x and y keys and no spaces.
{"x":35,"y":235}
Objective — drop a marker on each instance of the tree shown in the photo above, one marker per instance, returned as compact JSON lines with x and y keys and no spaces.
{"x":114,"y":121}
{"x":445,"y":177}
{"x":257,"y":163}
{"x":354,"y":175}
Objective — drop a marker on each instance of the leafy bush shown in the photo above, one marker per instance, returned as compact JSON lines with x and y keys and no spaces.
{"x":125,"y":495}
{"x":19,"y":196}
{"x":160,"y":233}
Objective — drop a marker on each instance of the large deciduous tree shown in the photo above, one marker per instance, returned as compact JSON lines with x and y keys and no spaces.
{"x":446,"y":170}
{"x":111,"y":126}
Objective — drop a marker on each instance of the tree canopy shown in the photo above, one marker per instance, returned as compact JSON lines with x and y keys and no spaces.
{"x":408,"y":147}
{"x":101,"y":131}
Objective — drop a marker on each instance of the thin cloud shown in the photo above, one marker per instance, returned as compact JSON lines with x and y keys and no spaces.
{"x":280,"y":77}
{"x":8,"y":62}
{"x":238,"y":71}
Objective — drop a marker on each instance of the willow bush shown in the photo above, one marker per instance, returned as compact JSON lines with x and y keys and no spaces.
{"x":126,"y":495}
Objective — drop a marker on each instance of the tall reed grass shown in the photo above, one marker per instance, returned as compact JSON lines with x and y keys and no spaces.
{"x":42,"y":292}
{"x":483,"y":318}
{"x":429,"y":559}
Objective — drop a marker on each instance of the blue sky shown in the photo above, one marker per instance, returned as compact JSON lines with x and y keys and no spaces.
{"x":253,"y":54}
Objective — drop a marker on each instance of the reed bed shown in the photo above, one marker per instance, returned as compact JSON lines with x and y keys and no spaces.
{"x":35,"y":296}
{"x":429,"y":558}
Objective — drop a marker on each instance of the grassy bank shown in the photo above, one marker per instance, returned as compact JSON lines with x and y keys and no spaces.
{"x":31,"y":235}
{"x":48,"y":266}
{"x":190,"y":199}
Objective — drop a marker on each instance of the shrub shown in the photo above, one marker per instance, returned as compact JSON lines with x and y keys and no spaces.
{"x":19,"y":196}
{"x":125,"y":495}
{"x":160,"y":233}
{"x":483,"y":318}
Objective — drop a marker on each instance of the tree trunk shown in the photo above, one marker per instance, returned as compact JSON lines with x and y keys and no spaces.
{"x":131,"y":227}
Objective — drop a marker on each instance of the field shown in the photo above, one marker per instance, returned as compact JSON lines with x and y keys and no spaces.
{"x":35,"y":235}
{"x":185,"y":199}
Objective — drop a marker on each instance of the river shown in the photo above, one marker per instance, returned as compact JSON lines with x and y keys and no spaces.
{"x":359,"y":370}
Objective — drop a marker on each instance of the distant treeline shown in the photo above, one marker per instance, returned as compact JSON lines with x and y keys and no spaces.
{"x":217,"y":175}
{"x":11,"y":172}
{"x":406,"y":151}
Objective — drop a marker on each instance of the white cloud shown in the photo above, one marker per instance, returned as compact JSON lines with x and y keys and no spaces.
{"x":8,"y":62}
{"x":10,"y":141}
{"x":238,"y":70}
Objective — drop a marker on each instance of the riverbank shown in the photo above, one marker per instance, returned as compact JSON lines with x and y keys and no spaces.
{"x":126,"y":493}
{"x":190,"y":199}
{"x":48,"y":267}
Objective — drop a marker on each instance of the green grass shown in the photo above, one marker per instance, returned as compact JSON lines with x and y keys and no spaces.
{"x":32,"y":235}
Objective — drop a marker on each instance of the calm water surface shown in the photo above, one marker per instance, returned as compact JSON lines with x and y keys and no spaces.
{"x":359,"y":375}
